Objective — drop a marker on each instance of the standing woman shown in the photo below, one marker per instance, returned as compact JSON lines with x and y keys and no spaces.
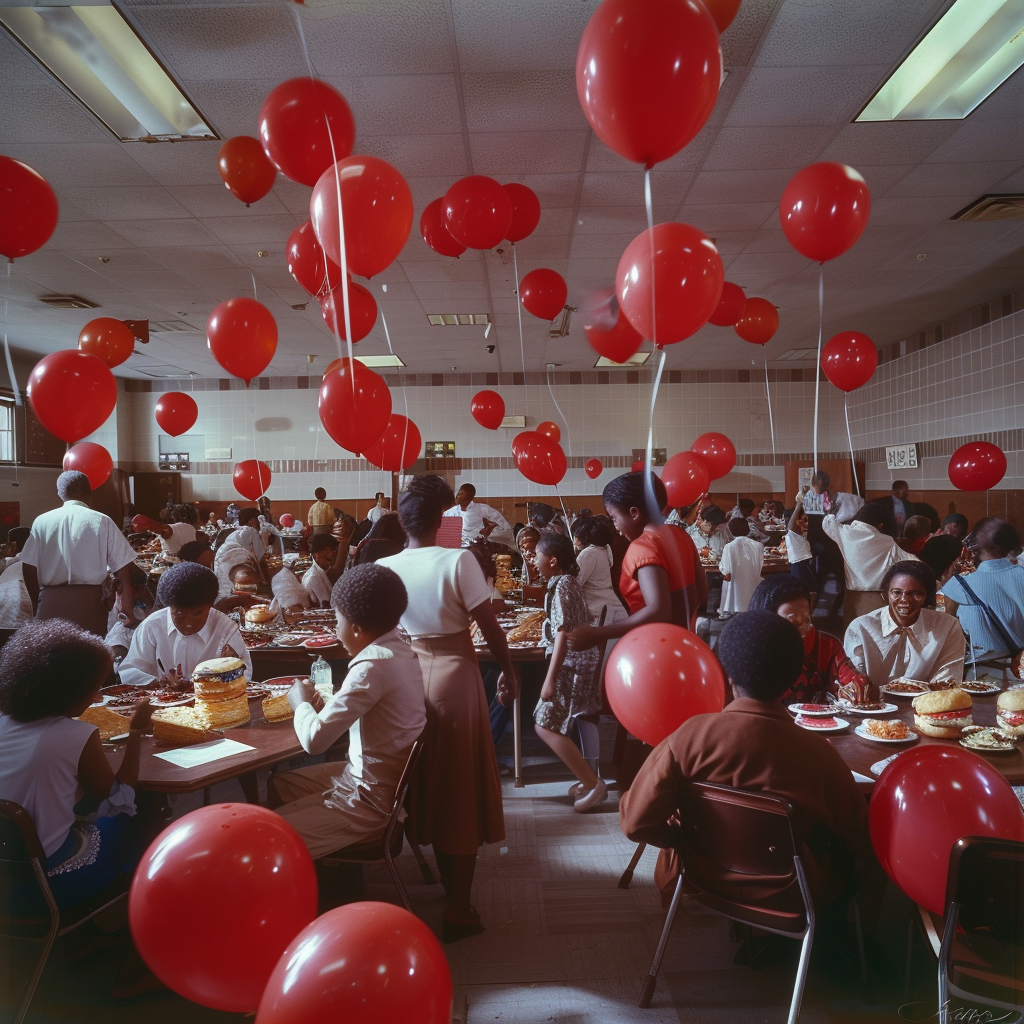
{"x":456,"y":805}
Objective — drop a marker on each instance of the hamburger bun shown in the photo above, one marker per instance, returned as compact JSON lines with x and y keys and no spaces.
{"x":943,"y":714}
{"x":260,"y":613}
{"x":1010,"y":712}
{"x":219,"y":678}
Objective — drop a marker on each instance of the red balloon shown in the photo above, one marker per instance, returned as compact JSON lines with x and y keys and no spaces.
{"x":435,"y":232}
{"x":543,"y":293}
{"x":550,"y":430}
{"x":637,"y":466}
{"x":660,"y":675}
{"x":488,"y":409}
{"x":849,"y":359}
{"x":377,"y":207}
{"x":308,"y":264}
{"x":364,"y":963}
{"x":305,"y":127}
{"x":593,"y":468}
{"x":91,"y":459}
{"x":730,"y":306}
{"x":242,"y":335}
{"x":686,"y":478}
{"x":538,"y":458}
{"x":617,"y":342}
{"x":717,"y":451}
{"x":759,"y":322}
{"x":477,"y":212}
{"x":108,"y":339}
{"x":217,"y":898}
{"x":723,"y":11}
{"x":671,"y":297}
{"x":176,"y":412}
{"x":246,"y":171}
{"x":251,"y":478}
{"x":354,"y":406}
{"x":525,"y":211}
{"x":647,"y":75}
{"x":924,"y":802}
{"x":362,"y":311}
{"x":824,"y":209}
{"x":71,"y":393}
{"x":398,"y":447}
{"x":286,"y":520}
{"x":976,"y":466}
{"x":28,"y":209}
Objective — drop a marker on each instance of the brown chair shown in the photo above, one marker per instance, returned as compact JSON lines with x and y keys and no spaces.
{"x":746,"y":834}
{"x":21,"y":860}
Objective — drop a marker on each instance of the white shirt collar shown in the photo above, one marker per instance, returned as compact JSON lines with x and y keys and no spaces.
{"x":75,"y":501}
{"x":203,"y":634}
{"x":890,"y":626}
{"x":380,"y":649}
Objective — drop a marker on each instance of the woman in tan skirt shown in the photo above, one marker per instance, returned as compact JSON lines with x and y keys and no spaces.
{"x":456,"y":804}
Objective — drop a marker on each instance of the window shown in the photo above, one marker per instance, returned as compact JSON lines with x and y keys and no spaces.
{"x":6,"y":429}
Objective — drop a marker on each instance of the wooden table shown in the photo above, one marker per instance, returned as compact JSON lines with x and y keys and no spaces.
{"x":769,"y":568}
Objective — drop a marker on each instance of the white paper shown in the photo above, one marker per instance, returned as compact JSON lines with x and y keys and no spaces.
{"x":857,"y":777}
{"x":203,"y":753}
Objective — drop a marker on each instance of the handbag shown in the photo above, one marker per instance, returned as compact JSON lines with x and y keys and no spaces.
{"x":1013,"y":648}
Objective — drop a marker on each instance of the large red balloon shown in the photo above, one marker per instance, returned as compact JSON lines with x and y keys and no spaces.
{"x":242,"y":335}
{"x":176,"y":412}
{"x":617,"y":342}
{"x":354,"y":405}
{"x":71,"y":393}
{"x":362,"y":311}
{"x":525,"y":211}
{"x":660,"y":675}
{"x":717,"y":451}
{"x":108,"y":339}
{"x":730,"y":306}
{"x":308,"y":264}
{"x":364,"y":963}
{"x":670,"y":297}
{"x":246,"y":171}
{"x":543,"y":293}
{"x":216,"y":900}
{"x":759,"y":322}
{"x":647,"y":75}
{"x":924,"y":802}
{"x":976,"y":466}
{"x":28,"y":209}
{"x":377,"y":207}
{"x":550,"y":430}
{"x":488,"y":409}
{"x":398,"y":447}
{"x":824,"y":209}
{"x":435,"y":231}
{"x":91,"y":459}
{"x":539,"y":458}
{"x":723,"y":11}
{"x":686,"y":478}
{"x":305,"y":127}
{"x":477,"y":212}
{"x":251,"y":478}
{"x":593,"y":468}
{"x":849,"y":359}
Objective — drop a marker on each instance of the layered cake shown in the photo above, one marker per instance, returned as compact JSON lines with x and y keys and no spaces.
{"x":277,"y":709}
{"x":220,"y":693}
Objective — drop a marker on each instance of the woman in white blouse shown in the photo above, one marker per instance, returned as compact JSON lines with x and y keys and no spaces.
{"x":907,"y":638}
{"x":592,"y":537}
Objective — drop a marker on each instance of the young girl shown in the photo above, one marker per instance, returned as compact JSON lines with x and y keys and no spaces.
{"x":742,"y":559}
{"x":591,"y":539}
{"x":571,"y":686}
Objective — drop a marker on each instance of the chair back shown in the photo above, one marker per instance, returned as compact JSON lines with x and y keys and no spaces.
{"x":405,"y":779}
{"x":19,"y":841}
{"x":986,"y":881}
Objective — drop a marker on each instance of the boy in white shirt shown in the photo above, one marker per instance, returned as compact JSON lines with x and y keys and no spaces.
{"x":742,"y":559}
{"x":328,"y":564}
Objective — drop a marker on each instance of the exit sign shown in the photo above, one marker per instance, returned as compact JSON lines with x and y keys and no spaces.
{"x":901,"y":456}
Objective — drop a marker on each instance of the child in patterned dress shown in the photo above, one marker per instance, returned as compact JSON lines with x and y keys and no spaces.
{"x":571,"y":686}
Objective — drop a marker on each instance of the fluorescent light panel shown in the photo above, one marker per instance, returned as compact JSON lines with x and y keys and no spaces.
{"x":975,"y":47}
{"x":458,"y":319}
{"x":635,"y":360}
{"x":97,"y":55}
{"x":378,"y":361}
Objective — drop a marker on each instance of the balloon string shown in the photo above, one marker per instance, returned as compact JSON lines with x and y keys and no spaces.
{"x":254,"y":295}
{"x":565,"y":514}
{"x":817,"y":365}
{"x":551,"y":391}
{"x":7,"y":347}
{"x":401,"y":381}
{"x":522,"y":349}
{"x":849,"y":437}
{"x":653,"y":509}
{"x":768,"y":392}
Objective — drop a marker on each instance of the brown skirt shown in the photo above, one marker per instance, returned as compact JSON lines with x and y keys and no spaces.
{"x":456,"y":799}
{"x":79,"y":603}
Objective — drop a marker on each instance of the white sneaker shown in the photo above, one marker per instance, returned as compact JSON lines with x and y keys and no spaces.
{"x":592,"y":798}
{"x":576,"y":790}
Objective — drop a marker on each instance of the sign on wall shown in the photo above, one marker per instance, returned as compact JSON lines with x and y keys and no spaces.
{"x":901,"y":456}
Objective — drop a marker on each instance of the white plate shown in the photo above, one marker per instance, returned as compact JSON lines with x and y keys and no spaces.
{"x":879,"y":766}
{"x":827,"y":710}
{"x":905,"y":696}
{"x":318,"y":644}
{"x":185,"y":698}
{"x":841,"y":724}
{"x":888,"y":709}
{"x":912,"y":738}
{"x":104,"y":699}
{"x":990,"y":688}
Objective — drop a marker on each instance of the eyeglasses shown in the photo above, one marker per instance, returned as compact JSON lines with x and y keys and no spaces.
{"x":913,"y":595}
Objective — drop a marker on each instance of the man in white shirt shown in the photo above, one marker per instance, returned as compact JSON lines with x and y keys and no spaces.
{"x":174,"y":535}
{"x":479,"y":520}
{"x":68,"y":555}
{"x":378,"y":509}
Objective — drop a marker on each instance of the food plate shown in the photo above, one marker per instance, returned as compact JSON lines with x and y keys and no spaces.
{"x":173,"y":702}
{"x":812,"y":710}
{"x":280,"y":683}
{"x":864,"y":735}
{"x":290,"y":640}
{"x":914,"y":688}
{"x":104,"y":699}
{"x":885,"y":709}
{"x":822,"y":724}
{"x":316,"y":643}
{"x":879,"y":766}
{"x":988,"y":741}
{"x":979,"y":688}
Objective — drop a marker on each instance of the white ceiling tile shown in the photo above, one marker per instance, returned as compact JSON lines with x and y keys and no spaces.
{"x":951,"y":179}
{"x":419,"y":155}
{"x":504,"y":155}
{"x":88,"y":235}
{"x":521,"y":101}
{"x":875,"y":143}
{"x":601,"y":189}
{"x":150,"y":202}
{"x":147,"y":233}
{"x":749,"y":148}
{"x":401,"y":104}
{"x":710,"y":187}
{"x":216,"y":201}
{"x":726,"y":216}
{"x":266,"y":232}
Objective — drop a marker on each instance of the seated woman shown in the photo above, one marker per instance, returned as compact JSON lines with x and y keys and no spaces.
{"x":907,"y":637}
{"x":826,"y":669}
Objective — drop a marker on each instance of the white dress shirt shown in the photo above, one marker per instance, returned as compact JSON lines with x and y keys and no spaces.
{"x":156,"y":638}
{"x":473,"y":523}
{"x":15,"y":604}
{"x":716,"y":542}
{"x":181,"y":534}
{"x":867,"y":553}
{"x":742,"y":559}
{"x":76,"y":545}
{"x":288,"y":591}
{"x":595,"y":577}
{"x":932,"y":649}
{"x":798,"y":547}
{"x":318,"y":584}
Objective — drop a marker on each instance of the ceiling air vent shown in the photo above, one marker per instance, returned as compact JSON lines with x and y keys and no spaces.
{"x":67,"y":302}
{"x":995,"y":206}
{"x":798,"y":354}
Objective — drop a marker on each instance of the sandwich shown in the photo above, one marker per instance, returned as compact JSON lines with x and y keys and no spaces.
{"x":1010,"y":712}
{"x":179,"y":725}
{"x":277,"y":709}
{"x":260,"y":613}
{"x":943,"y":714}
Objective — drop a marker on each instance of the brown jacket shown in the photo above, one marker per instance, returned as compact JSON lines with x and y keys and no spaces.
{"x":756,"y":746}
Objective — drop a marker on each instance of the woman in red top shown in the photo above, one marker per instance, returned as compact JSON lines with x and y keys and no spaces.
{"x":662,"y":579}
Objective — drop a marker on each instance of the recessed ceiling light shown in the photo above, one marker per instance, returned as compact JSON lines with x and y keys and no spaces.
{"x":378,"y":361}
{"x":635,"y":360}
{"x":457,"y":319}
{"x":972,"y":49}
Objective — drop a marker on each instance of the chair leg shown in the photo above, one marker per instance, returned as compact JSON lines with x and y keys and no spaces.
{"x":619,"y":749}
{"x":945,"y":950}
{"x":627,"y":875}
{"x":862,"y":959}
{"x":428,"y":875}
{"x":37,"y":972}
{"x":395,"y":876}
{"x":651,"y":981}
{"x":801,"y":974}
